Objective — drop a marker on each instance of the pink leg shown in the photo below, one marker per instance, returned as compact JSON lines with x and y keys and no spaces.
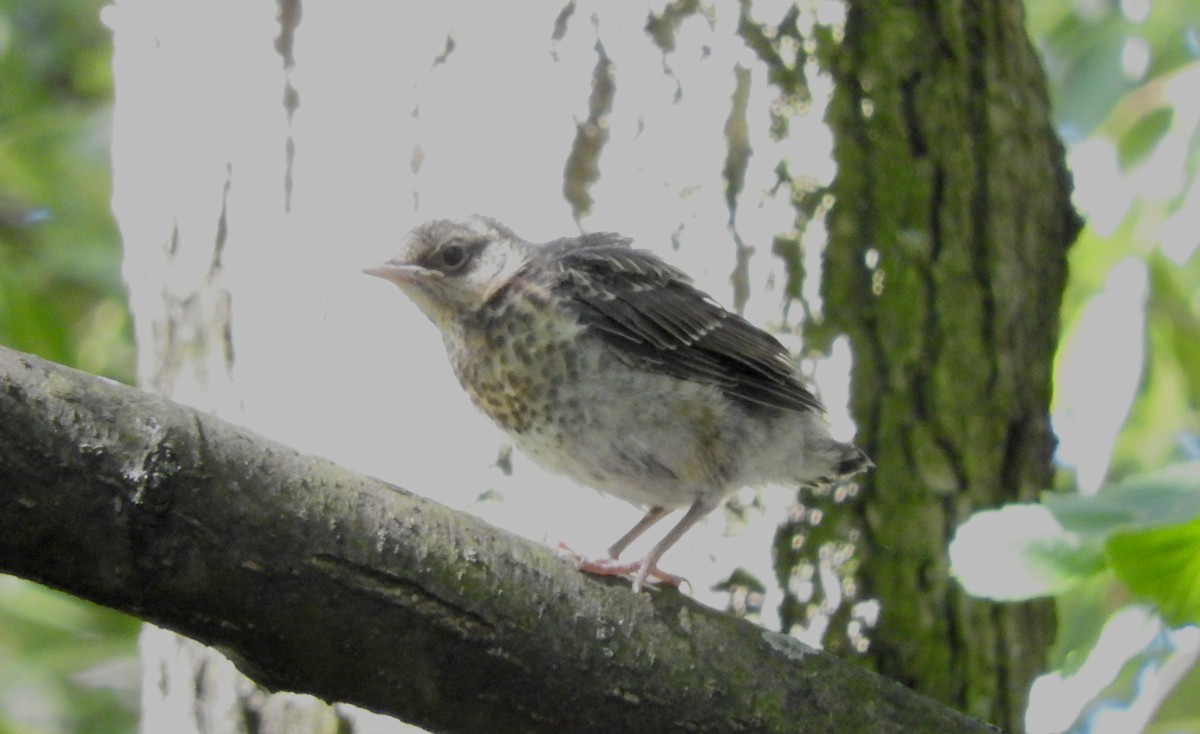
{"x":648,"y":566}
{"x":654,"y":515}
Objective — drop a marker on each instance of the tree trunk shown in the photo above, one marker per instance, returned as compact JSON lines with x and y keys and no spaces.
{"x":946,"y":268}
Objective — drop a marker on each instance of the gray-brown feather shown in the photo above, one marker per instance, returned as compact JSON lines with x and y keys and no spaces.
{"x":657,"y":320}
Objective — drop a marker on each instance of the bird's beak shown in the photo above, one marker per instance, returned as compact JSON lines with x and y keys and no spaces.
{"x":396,"y":272}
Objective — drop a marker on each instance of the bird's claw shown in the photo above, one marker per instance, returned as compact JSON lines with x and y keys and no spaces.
{"x":614,"y":567}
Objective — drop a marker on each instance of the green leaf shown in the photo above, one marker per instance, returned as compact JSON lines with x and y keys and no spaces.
{"x":1020,"y":552}
{"x":1143,"y":136}
{"x":1162,"y":564}
{"x":1173,"y":290}
{"x":1148,"y":500}
{"x":1179,"y":713}
{"x":1081,"y":612}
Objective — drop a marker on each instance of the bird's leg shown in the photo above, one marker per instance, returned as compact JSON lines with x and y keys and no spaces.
{"x":652,"y":516}
{"x":647,"y":567}
{"x":649,"y":564}
{"x":609,"y":566}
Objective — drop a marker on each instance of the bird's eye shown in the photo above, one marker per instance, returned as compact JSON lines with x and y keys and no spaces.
{"x":452,"y":257}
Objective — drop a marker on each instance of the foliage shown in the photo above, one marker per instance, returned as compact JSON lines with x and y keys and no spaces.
{"x":65,"y":665}
{"x":60,"y":289}
{"x":1124,"y":80}
{"x":1121,"y":558}
{"x":1134,"y":543}
{"x":1143,"y":532}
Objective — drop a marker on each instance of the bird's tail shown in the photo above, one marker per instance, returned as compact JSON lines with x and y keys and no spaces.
{"x":852,"y":462}
{"x":846,"y":460}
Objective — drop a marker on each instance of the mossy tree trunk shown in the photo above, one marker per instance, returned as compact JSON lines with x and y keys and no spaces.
{"x":946,"y":267}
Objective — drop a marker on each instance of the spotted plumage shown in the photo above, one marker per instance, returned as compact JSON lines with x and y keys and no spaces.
{"x":607,"y":365}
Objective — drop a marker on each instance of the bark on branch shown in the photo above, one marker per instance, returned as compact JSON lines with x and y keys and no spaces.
{"x":319,"y":580}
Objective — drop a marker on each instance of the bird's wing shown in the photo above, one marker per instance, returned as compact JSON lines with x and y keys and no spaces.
{"x":656,"y":319}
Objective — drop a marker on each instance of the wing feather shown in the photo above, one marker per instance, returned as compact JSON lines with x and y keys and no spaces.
{"x":656,"y":319}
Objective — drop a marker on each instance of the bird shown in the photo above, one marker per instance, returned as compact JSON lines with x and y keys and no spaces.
{"x":606,"y":364}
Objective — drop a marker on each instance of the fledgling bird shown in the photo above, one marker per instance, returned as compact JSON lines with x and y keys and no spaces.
{"x":605,"y":364}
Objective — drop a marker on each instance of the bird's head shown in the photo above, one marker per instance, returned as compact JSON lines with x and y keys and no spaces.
{"x":451,"y":268}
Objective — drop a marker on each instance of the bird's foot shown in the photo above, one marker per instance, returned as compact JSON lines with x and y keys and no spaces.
{"x":643,"y":569}
{"x":613,"y":567}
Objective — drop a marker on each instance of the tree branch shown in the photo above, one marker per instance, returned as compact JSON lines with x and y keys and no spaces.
{"x":319,"y":580}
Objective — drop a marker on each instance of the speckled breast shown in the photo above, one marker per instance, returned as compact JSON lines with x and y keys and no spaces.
{"x":516,"y":359}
